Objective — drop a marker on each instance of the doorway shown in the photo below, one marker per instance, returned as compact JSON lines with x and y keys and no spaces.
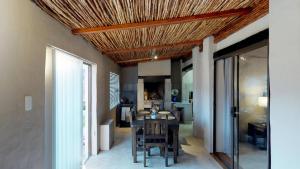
{"x":70,"y":110}
{"x":86,"y":112}
{"x":241,"y":132}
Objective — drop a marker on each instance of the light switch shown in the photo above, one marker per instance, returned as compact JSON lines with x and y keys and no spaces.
{"x":28,"y":103}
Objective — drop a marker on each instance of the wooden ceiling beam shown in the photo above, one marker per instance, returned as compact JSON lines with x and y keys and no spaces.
{"x":156,"y":47}
{"x":260,"y":10}
{"x":178,"y":20}
{"x":161,"y":57}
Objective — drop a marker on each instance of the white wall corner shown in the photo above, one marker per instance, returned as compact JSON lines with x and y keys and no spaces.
{"x":167,"y":99}
{"x":247,"y":31}
{"x":197,"y":128}
{"x":140,"y":94}
{"x":203,"y":92}
{"x":208,"y":52}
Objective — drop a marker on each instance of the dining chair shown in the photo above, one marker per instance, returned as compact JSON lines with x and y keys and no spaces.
{"x":139,"y":137}
{"x":176,"y":114}
{"x":156,"y":135}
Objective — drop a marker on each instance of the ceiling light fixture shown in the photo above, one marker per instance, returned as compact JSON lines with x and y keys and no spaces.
{"x":154,"y":55}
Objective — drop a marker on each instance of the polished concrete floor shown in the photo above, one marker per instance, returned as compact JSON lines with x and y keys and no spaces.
{"x":192,"y":154}
{"x":252,"y":157}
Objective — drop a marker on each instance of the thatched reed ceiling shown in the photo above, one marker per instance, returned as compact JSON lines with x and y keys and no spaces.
{"x":78,"y":14}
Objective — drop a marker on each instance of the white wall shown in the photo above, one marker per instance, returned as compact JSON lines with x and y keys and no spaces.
{"x":203,"y":79}
{"x":285,"y":83}
{"x":203,"y":96}
{"x":249,"y":30}
{"x":140,"y":94}
{"x":187,"y":85}
{"x":198,"y":125}
{"x":203,"y":92}
{"x":155,"y":68}
{"x":25,"y":32}
{"x":167,"y":96}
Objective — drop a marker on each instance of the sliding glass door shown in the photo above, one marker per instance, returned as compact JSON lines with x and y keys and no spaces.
{"x":241,"y":109}
{"x":252,"y":104}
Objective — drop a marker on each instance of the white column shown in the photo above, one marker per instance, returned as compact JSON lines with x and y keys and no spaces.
{"x":285,"y":83}
{"x":140,"y":94}
{"x":167,"y":98}
{"x":198,"y":125}
{"x":203,"y":92}
{"x":208,"y":53}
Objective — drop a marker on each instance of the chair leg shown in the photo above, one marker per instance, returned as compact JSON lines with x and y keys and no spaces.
{"x":149,"y":152}
{"x":175,"y":149}
{"x":166,"y":155}
{"x":174,"y":154}
{"x":145,"y":156}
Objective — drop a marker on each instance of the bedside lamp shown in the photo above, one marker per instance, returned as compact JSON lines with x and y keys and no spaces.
{"x":263,"y":101}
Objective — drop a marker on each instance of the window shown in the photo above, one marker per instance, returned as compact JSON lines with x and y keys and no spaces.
{"x":114,"y":88}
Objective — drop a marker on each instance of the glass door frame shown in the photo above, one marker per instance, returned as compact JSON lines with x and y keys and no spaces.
{"x":253,"y":42}
{"x":236,"y":111}
{"x":89,"y":110}
{"x":233,"y":112}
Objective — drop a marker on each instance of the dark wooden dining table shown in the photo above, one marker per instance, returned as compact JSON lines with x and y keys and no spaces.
{"x":173,"y":126}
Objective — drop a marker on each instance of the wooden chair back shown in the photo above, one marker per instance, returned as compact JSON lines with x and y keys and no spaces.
{"x":132,"y":114}
{"x":176,"y":114}
{"x":156,"y":134}
{"x":156,"y":128}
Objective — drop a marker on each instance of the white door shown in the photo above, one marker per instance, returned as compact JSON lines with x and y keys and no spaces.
{"x":68,"y":108}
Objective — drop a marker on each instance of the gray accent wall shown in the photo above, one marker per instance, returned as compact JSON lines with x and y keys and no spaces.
{"x":176,"y":77}
{"x":129,"y":80}
{"x":25,"y":33}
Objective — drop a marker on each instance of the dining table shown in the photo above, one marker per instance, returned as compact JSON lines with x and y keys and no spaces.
{"x":173,"y":125}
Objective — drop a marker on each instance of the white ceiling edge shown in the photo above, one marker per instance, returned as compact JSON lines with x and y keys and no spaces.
{"x":249,"y":30}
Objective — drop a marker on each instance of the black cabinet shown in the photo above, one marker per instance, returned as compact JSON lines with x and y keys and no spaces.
{"x":123,"y":115}
{"x":258,"y":130}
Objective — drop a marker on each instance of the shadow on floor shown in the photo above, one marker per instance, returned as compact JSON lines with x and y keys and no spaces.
{"x":192,"y":154}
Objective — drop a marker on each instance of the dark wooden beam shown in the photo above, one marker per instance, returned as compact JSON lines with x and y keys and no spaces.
{"x":156,"y":47}
{"x":161,"y":57}
{"x":178,"y":20}
{"x":135,"y":60}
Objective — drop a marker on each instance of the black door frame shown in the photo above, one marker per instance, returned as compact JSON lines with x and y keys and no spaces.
{"x":255,"y":41}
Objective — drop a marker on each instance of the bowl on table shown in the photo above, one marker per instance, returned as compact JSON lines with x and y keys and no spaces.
{"x":143,"y":112}
{"x":164,"y":112}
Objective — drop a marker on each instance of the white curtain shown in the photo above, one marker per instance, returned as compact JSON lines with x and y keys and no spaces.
{"x":223,"y":106}
{"x":68,"y":111}
{"x":220,"y":105}
{"x":228,"y":104}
